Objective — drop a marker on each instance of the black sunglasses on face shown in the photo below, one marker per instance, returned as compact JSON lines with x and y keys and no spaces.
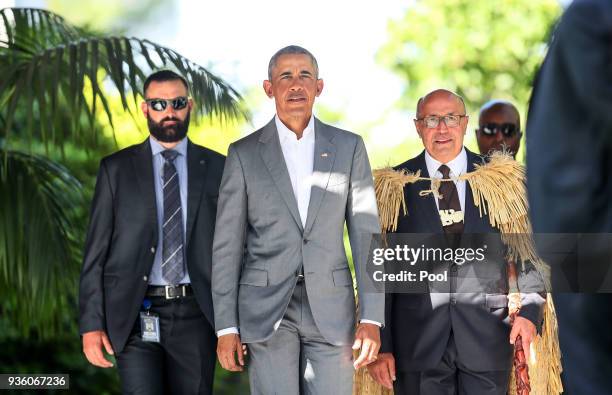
{"x":507,"y":129}
{"x":178,"y":103}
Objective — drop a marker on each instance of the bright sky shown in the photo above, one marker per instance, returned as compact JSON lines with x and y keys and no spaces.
{"x":238,"y":38}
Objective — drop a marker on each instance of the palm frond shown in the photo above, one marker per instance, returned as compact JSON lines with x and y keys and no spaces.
{"x":38,"y":241}
{"x":46,"y":64}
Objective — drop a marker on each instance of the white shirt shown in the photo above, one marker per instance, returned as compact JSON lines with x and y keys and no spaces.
{"x":299,"y":158}
{"x":458,"y":166}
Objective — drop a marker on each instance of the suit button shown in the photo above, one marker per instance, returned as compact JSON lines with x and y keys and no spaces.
{"x":453,"y":301}
{"x":145,"y":278}
{"x":152,"y":250}
{"x":305,"y":241}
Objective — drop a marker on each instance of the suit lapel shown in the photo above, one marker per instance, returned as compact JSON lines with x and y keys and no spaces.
{"x":196,"y":171}
{"x":143,"y":167}
{"x":430,"y":210}
{"x":471,"y":215}
{"x":324,"y":157}
{"x":272,"y":156}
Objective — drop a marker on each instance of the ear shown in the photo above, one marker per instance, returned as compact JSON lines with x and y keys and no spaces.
{"x":190,"y":104}
{"x":145,"y":108}
{"x":319,"y":86}
{"x":418,"y":129}
{"x":267,"y":86}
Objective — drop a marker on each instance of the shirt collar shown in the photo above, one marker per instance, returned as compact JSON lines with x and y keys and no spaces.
{"x":285,"y":133}
{"x":156,"y":147}
{"x":457,"y":166}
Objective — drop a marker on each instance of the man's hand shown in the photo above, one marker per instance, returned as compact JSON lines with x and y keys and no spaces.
{"x":92,"y":348}
{"x":526,"y":329}
{"x":367,"y":338}
{"x":228,"y":347}
{"x":383,"y":370}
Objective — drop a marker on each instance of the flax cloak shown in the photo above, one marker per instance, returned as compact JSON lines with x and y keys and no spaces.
{"x":498,"y":188}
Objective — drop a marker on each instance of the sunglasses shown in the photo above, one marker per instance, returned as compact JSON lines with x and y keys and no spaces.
{"x":507,"y":129}
{"x":178,"y":103}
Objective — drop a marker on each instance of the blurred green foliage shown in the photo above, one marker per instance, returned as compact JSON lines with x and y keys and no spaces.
{"x":118,"y":16}
{"x":52,"y":136}
{"x":480,"y":49}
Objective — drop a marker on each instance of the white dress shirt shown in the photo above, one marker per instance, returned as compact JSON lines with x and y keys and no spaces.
{"x":299,"y":158}
{"x":458,"y":166}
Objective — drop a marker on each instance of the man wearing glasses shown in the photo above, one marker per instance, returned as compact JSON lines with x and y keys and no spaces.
{"x":499,"y":128}
{"x":448,"y":343}
{"x":145,"y":293}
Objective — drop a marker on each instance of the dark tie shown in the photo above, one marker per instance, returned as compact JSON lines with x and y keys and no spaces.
{"x":449,"y":206}
{"x":172,"y":253}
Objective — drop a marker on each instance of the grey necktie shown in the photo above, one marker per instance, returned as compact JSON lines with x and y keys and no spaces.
{"x":173,"y":269}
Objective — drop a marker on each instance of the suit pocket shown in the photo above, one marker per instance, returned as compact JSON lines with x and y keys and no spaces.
{"x":496,"y":301}
{"x":254,"y":277}
{"x":342,"y":277}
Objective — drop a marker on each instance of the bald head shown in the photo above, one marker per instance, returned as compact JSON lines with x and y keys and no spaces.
{"x":499,"y":125}
{"x":438,"y":94}
{"x":441,"y":123}
{"x":494,"y":107}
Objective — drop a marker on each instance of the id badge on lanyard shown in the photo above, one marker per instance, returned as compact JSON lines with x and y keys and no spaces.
{"x":149,"y":324}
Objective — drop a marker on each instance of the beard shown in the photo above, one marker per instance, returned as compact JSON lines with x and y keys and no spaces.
{"x":169,"y":133}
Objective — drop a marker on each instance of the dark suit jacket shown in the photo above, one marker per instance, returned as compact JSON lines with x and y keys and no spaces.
{"x":569,"y":125}
{"x":569,"y":165}
{"x":418,"y":325}
{"x":122,"y":237}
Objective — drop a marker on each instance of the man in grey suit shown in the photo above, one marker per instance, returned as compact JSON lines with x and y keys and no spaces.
{"x":281,"y":280}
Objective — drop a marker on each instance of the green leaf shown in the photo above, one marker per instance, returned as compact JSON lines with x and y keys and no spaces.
{"x":38,"y":266}
{"x":62,"y":56}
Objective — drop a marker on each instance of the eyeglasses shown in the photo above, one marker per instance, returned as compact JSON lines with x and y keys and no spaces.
{"x":178,"y":103}
{"x":491,"y":129}
{"x":432,"y":121}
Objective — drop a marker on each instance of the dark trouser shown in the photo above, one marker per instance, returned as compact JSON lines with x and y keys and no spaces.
{"x":451,"y":377}
{"x":585,"y":334}
{"x":184,"y":360}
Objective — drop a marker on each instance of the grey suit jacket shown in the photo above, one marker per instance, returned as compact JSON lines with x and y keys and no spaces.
{"x":260,"y":243}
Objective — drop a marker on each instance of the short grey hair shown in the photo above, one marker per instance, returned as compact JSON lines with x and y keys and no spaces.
{"x":292,"y":50}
